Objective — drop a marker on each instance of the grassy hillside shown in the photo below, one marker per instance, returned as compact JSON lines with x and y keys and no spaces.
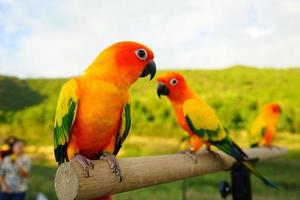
{"x":27,"y":107}
{"x":16,"y":94}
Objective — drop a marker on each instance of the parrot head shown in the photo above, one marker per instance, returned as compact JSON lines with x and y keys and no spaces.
{"x":172,"y":85}
{"x":124,"y":62}
{"x":273,"y":109}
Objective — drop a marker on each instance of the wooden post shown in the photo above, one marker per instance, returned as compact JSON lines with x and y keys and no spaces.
{"x":139,"y":172}
{"x":240,"y":183}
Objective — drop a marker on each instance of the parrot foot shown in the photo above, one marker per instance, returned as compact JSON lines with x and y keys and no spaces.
{"x":215,"y":154}
{"x":113,"y":164}
{"x":84,"y":162}
{"x":190,"y":154}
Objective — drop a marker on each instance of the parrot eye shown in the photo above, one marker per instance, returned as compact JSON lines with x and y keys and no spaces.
{"x":141,"y":54}
{"x":173,"y":81}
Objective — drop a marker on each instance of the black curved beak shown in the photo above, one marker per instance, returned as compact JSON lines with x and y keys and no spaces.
{"x":162,"y":89}
{"x":150,"y":68}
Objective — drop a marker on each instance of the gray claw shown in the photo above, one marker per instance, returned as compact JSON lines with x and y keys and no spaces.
{"x":215,"y":154}
{"x":85,"y":163}
{"x":113,"y":164}
{"x":190,"y":154}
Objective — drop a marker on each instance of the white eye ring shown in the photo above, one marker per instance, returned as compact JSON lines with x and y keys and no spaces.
{"x":141,"y":54}
{"x":173,"y":81}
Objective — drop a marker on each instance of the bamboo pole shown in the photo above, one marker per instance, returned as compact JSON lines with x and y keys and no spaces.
{"x":139,"y":172}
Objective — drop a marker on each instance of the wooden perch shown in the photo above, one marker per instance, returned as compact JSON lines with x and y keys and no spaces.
{"x":139,"y":172}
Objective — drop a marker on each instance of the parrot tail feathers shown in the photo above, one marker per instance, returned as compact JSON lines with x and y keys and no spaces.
{"x":251,"y":169}
{"x":231,"y":148}
{"x":239,"y":150}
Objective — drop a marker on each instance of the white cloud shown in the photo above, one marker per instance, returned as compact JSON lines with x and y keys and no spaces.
{"x":256,"y":32}
{"x":62,"y":37}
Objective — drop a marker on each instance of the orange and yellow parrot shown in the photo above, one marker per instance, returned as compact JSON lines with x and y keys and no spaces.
{"x":93,"y":113}
{"x":198,"y":119}
{"x":263,"y":129}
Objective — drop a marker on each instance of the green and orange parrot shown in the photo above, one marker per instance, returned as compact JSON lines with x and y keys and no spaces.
{"x":93,"y":111}
{"x":198,"y":119}
{"x":263,"y":130}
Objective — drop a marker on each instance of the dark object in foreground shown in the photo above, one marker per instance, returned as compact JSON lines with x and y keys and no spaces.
{"x":240,"y":183}
{"x":224,"y":189}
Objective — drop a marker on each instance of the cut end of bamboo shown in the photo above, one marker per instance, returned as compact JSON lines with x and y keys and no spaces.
{"x":66,"y":182}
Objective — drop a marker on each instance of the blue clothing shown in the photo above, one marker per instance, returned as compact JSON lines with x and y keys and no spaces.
{"x":12,"y":196}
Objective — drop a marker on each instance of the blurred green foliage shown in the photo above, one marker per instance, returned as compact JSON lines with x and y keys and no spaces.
{"x":16,"y":94}
{"x":237,"y":94}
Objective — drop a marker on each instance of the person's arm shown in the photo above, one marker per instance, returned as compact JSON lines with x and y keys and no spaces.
{"x":24,"y":168}
{"x":3,"y":185}
{"x":2,"y":182}
{"x":23,"y":172}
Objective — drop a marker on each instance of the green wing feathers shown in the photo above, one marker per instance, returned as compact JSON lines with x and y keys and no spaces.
{"x":203,"y":133}
{"x":124,"y":129}
{"x":64,"y":119}
{"x":231,"y":148}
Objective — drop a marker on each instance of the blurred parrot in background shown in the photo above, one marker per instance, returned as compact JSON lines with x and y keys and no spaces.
{"x":199,"y":120}
{"x":93,"y":114}
{"x":263,"y":129}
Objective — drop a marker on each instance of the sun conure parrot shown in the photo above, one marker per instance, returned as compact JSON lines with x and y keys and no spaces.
{"x":198,"y":119}
{"x":263,"y":129}
{"x":93,"y":113}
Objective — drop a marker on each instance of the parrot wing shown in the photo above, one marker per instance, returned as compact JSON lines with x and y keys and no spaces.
{"x":64,"y":119}
{"x":202,"y":120}
{"x":228,"y":146}
{"x":204,"y":123}
{"x":124,"y":129}
{"x":257,"y":131}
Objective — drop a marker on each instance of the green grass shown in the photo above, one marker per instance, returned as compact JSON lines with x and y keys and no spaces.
{"x":42,"y":176}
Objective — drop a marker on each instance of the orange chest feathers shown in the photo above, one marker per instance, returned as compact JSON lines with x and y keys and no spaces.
{"x":181,"y":120}
{"x":98,"y":116}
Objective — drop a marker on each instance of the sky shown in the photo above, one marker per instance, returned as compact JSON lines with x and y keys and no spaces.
{"x":56,"y":38}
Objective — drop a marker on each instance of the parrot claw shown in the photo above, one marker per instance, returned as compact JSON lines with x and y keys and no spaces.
{"x":113,"y":164}
{"x":215,"y":154}
{"x":85,"y":163}
{"x":190,"y":154}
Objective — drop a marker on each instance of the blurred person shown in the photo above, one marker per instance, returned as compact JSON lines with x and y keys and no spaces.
{"x":6,"y":147}
{"x":14,"y":171}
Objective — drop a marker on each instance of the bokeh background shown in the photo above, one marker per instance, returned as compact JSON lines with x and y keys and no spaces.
{"x":237,"y":55}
